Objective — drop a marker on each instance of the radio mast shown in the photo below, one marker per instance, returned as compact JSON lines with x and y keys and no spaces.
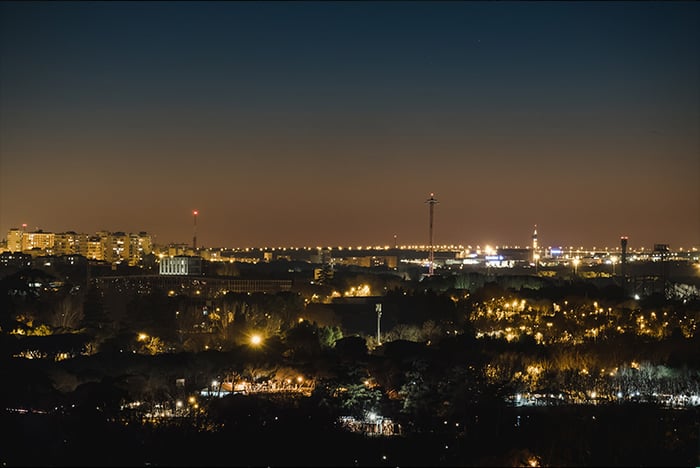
{"x":431,"y":201}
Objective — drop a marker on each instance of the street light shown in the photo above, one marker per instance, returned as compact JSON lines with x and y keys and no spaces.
{"x":576,"y":262}
{"x":256,"y":340}
{"x":613,"y":260}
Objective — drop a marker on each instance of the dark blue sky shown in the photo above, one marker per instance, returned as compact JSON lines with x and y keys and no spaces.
{"x":329,"y":123}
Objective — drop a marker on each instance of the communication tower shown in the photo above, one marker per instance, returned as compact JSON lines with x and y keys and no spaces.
{"x":535,"y":247}
{"x":194,"y":237}
{"x":431,"y":202}
{"x":623,"y":261}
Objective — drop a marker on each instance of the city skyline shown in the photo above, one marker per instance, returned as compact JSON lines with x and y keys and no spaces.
{"x":475,"y":246}
{"x":312,"y":123}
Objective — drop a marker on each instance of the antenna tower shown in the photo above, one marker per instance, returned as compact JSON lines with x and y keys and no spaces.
{"x":535,"y":248}
{"x":194,"y":237}
{"x":431,"y":201}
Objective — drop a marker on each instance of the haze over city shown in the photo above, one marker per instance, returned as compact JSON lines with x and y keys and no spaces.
{"x":331,"y":123}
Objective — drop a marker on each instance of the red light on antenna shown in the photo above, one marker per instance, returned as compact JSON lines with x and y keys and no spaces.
{"x":195,"y":212}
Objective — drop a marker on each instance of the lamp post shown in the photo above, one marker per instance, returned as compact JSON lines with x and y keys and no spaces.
{"x":613,"y":260}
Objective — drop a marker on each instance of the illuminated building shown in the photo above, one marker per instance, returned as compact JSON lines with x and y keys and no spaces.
{"x":115,"y":246}
{"x":181,"y":265}
{"x":118,"y":247}
{"x":369,"y":261}
{"x":14,"y":240}
{"x":66,"y":243}
{"x":93,"y":248}
{"x":139,"y":245}
{"x":38,"y":240}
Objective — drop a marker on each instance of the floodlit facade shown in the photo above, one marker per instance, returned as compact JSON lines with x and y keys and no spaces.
{"x":181,"y":265}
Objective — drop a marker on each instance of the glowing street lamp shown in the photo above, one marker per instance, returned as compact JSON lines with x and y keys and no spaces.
{"x":576,"y":261}
{"x":256,"y":340}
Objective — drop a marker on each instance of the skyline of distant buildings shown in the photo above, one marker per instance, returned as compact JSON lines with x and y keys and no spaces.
{"x":112,"y":247}
{"x":114,"y":243}
{"x":133,"y":248}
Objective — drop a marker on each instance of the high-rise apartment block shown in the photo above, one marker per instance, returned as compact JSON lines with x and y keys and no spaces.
{"x":113,"y":247}
{"x":93,"y":248}
{"x":38,"y":240}
{"x":67,"y":243}
{"x":14,"y":240}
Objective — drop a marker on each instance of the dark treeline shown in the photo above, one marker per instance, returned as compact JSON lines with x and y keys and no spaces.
{"x":628,"y":435}
{"x":76,"y":360}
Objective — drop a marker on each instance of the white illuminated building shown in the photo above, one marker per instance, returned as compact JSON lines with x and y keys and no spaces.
{"x":181,"y":265}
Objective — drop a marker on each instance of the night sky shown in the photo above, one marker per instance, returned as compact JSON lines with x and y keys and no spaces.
{"x":330,"y":123}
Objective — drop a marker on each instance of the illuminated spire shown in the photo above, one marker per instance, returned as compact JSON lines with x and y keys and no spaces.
{"x":534,"y":239}
{"x":535,"y":247}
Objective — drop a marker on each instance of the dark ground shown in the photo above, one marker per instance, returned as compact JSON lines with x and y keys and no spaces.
{"x":615,"y":435}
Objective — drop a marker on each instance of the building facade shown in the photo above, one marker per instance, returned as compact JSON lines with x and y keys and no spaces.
{"x":181,"y":265}
{"x":114,"y":247}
